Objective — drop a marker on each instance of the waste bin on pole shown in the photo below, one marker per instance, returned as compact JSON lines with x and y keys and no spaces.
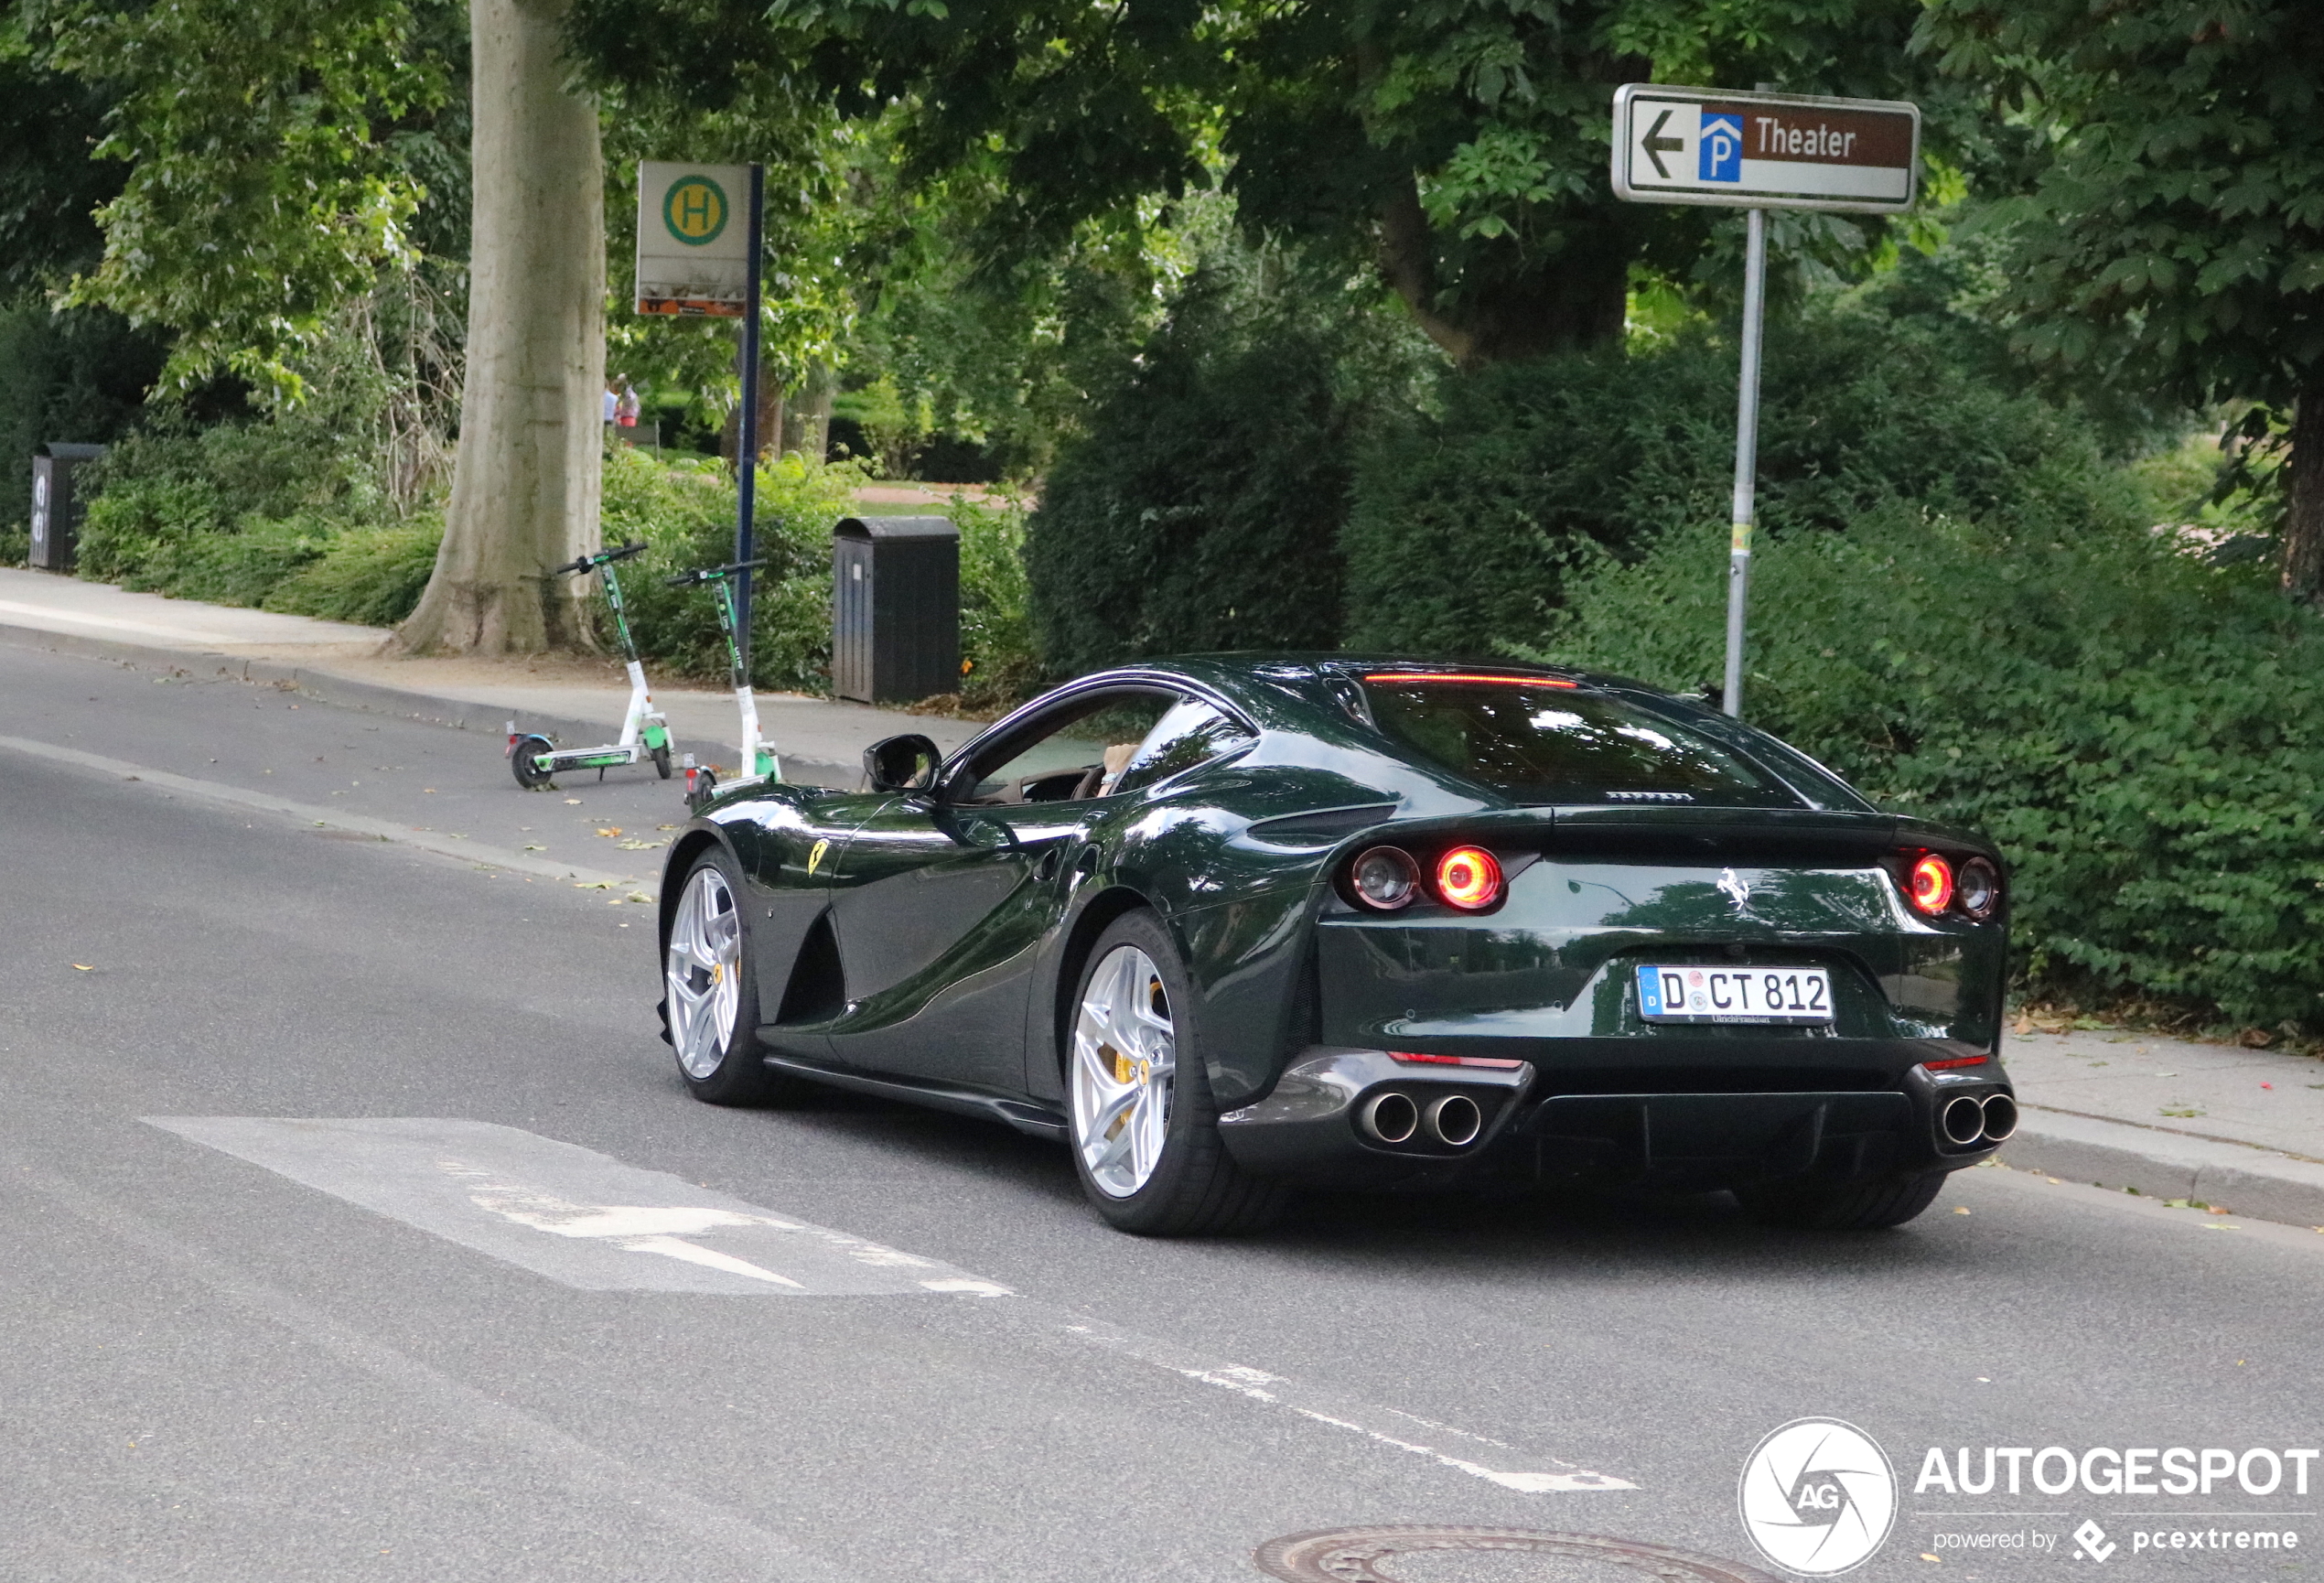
{"x":896,"y":609}
{"x":56,"y":503}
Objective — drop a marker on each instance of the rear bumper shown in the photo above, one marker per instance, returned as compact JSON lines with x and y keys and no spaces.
{"x":1719,"y":1130}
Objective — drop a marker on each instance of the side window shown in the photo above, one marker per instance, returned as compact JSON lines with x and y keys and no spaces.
{"x":1192,"y":732}
{"x":1072,"y":754}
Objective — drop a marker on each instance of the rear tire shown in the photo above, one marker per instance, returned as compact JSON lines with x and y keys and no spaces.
{"x":1132,"y":1016}
{"x":530,"y":775}
{"x":1885,"y":1201}
{"x":710,"y":994}
{"x":660,"y":757}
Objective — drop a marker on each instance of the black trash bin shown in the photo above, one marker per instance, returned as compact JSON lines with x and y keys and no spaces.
{"x":56,"y":502}
{"x":896,"y":616}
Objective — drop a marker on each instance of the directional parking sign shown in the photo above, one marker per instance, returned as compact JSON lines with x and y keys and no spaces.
{"x":1764,"y":150}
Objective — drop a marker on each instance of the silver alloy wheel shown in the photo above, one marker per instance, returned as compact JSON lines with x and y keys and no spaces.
{"x":1125,"y":1067}
{"x":701,"y":973}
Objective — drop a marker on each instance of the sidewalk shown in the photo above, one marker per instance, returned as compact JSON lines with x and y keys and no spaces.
{"x":577,"y":701}
{"x":2171,"y":1119}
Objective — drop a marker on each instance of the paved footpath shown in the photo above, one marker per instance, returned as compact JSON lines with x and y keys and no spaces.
{"x":2167,"y":1119}
{"x":576,"y":701}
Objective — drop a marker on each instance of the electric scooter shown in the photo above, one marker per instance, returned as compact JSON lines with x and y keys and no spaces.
{"x":645,"y":733}
{"x":758,"y":759}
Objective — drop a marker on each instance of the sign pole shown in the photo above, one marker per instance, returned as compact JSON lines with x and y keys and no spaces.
{"x":747,"y":429}
{"x":1747,"y":461}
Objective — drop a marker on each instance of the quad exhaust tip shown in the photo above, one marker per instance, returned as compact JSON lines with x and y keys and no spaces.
{"x":2000,"y":1117}
{"x":1969,"y":1119}
{"x":1393,"y":1116}
{"x":1964,"y":1120}
{"x":1455,"y":1120}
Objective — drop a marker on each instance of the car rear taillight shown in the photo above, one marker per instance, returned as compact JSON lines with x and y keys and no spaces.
{"x":1977,"y":889}
{"x":1929,"y":882}
{"x":1384,"y":878}
{"x":1469,"y":878}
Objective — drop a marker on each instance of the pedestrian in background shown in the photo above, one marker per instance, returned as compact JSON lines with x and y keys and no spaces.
{"x":626,"y":411}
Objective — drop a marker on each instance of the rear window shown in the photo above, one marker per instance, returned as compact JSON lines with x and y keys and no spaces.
{"x":1538,"y":742}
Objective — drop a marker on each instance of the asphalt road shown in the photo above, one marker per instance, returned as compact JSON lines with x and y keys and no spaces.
{"x":530,"y":1313}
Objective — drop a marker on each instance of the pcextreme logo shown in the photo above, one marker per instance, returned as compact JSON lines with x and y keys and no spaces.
{"x":1818,"y":1497}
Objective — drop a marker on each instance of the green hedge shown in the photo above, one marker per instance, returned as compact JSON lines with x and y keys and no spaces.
{"x":1202,"y":509}
{"x":2141,"y":731}
{"x":1470,"y":521}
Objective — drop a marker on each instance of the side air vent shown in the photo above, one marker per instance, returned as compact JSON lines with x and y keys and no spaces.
{"x":1650,"y":796}
{"x":1326,"y":828}
{"x":817,"y":992}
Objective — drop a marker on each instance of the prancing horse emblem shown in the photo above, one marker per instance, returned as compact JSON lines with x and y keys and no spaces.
{"x":1735,"y":886}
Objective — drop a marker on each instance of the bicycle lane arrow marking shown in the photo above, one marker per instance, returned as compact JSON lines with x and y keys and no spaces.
{"x":583,"y":1220}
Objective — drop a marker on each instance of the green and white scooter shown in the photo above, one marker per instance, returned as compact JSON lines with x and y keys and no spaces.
{"x":702,"y":781}
{"x":645,"y":734}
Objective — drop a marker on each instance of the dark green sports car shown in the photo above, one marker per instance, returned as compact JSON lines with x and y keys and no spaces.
{"x":1232,"y":924}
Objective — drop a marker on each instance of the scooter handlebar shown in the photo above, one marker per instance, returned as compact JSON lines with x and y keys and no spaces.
{"x":584,"y":563}
{"x":711,"y":574}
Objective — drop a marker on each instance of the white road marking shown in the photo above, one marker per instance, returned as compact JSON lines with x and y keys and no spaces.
{"x":580,"y":1218}
{"x":571,"y":1214}
{"x":314,"y":814}
{"x":1475,"y":1455}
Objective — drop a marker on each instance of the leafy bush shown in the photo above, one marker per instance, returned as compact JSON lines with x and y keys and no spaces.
{"x":2137,"y":728}
{"x":1202,"y":508}
{"x":223,"y":515}
{"x":1001,"y":667}
{"x":686,"y":508}
{"x":371,"y":575}
{"x":1468,"y":520}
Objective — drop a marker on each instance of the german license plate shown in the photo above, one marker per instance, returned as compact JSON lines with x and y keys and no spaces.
{"x":1792,"y":996}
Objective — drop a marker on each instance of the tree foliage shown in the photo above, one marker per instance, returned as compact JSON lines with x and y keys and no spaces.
{"x":1457,"y":144}
{"x":269,"y":176}
{"x":2172,"y":237}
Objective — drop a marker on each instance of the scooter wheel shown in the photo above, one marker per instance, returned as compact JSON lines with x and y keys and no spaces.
{"x":522,"y":762}
{"x":706,"y":787}
{"x":661,"y":760}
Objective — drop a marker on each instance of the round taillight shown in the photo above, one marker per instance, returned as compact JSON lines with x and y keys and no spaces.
{"x":1931,"y":884}
{"x":1977,"y":888}
{"x":1469,"y":878}
{"x":1384,"y":878}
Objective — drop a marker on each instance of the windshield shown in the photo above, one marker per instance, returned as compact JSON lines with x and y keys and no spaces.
{"x":1544,"y":741}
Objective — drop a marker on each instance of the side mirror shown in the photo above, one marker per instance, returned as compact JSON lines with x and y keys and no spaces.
{"x":906,"y":763}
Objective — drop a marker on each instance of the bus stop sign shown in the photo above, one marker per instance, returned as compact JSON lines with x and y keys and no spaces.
{"x":1764,"y":150}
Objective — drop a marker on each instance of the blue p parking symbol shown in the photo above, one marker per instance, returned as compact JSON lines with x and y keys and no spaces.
{"x":1722,"y":148}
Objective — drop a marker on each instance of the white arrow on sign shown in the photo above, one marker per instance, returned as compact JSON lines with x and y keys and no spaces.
{"x":1708,"y":145}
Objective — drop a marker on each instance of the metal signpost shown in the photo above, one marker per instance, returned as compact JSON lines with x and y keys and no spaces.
{"x":693,"y":259}
{"x":1758,"y":152}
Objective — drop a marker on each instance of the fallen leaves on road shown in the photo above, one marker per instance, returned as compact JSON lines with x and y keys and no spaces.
{"x":575,"y":801}
{"x":1959,"y":1211}
{"x":533,"y":848}
{"x":611,"y":830}
{"x":634,"y":846}
{"x":92,"y":967}
{"x":593,"y":885}
{"x":639,"y":896}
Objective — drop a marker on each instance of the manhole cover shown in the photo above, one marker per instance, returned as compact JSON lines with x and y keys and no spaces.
{"x":1361,"y":1555}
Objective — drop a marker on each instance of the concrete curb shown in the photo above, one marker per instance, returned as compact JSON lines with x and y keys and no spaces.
{"x":2251,"y":1181}
{"x":435,"y":709}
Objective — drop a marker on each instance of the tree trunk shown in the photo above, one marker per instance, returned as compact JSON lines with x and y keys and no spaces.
{"x":770,"y":416}
{"x":2304,"y":515}
{"x":807,"y":419}
{"x":525,"y":483}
